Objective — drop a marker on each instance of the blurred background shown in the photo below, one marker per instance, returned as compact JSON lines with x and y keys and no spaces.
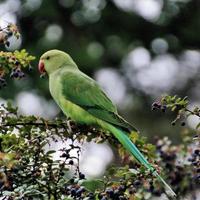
{"x":137,"y":50}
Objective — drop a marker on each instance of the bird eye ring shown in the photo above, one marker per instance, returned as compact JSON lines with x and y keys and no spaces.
{"x":48,"y":57}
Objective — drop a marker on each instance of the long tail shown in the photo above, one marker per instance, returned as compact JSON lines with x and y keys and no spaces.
{"x":126,"y":142}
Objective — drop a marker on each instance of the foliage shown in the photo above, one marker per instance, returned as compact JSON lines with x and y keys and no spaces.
{"x":179,"y":106}
{"x":28,"y":170}
{"x":13,"y":64}
{"x":101,"y":34}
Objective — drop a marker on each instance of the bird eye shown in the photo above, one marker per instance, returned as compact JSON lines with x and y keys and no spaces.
{"x":48,"y":57}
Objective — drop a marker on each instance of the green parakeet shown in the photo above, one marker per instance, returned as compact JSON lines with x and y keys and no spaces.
{"x":83,"y":100}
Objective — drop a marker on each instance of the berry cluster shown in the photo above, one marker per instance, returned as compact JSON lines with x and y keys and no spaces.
{"x":13,"y":63}
{"x":17,"y":73}
{"x":158,"y":105}
{"x":115,"y":192}
{"x":32,"y":167}
{"x":75,"y":191}
{"x":175,"y":166}
{"x":175,"y":104}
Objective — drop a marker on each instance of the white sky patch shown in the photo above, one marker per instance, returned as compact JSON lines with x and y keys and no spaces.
{"x":7,"y":18}
{"x":190,"y":60}
{"x":2,"y":101}
{"x":155,"y":77}
{"x":113,"y":84}
{"x":14,"y":43}
{"x":148,"y":9}
{"x":94,"y":161}
{"x":138,"y":58}
{"x":7,"y":12}
{"x":31,"y":104}
{"x":9,"y":6}
{"x":189,"y":66}
{"x":56,"y":146}
{"x":160,"y":75}
{"x":125,"y":4}
{"x":193,"y":120}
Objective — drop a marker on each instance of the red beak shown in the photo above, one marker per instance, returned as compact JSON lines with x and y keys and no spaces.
{"x":41,"y":67}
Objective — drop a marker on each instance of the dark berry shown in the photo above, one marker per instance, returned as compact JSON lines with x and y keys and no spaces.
{"x":110,"y":192}
{"x":116,"y":193}
{"x":71,"y":162}
{"x":21,"y":75}
{"x":132,"y":191}
{"x":122,"y":188}
{"x":137,"y":183}
{"x":71,"y":180}
{"x":73,"y":192}
{"x":197,"y":151}
{"x":62,"y":173}
{"x":157,"y":193}
{"x":17,"y":62}
{"x":9,"y":34}
{"x":100,"y":196}
{"x":154,"y":108}
{"x":182,"y":123}
{"x":81,"y":176}
{"x":91,"y":195}
{"x":16,"y":74}
{"x":79,"y":191}
{"x":195,"y":163}
{"x":191,"y":159}
{"x":151,"y":188}
{"x":155,"y":104}
{"x":65,"y":155}
{"x":198,"y":170}
{"x":196,"y":136}
{"x":163,"y":108}
{"x":7,"y":43}
{"x":173,"y":123}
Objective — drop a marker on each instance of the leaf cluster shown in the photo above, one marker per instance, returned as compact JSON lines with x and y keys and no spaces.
{"x":29,"y":170}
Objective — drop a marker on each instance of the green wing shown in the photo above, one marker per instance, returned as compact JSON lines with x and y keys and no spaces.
{"x":86,"y":93}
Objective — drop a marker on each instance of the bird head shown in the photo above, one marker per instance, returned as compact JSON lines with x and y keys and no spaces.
{"x":53,"y":60}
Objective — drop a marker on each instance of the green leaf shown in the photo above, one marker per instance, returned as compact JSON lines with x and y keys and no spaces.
{"x":92,"y":185}
{"x":51,"y":152}
{"x":134,"y":136}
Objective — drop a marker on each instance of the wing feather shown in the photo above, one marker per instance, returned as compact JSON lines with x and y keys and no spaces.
{"x":83,"y":91}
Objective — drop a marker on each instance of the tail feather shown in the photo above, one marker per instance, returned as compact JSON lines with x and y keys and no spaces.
{"x":126,"y":142}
